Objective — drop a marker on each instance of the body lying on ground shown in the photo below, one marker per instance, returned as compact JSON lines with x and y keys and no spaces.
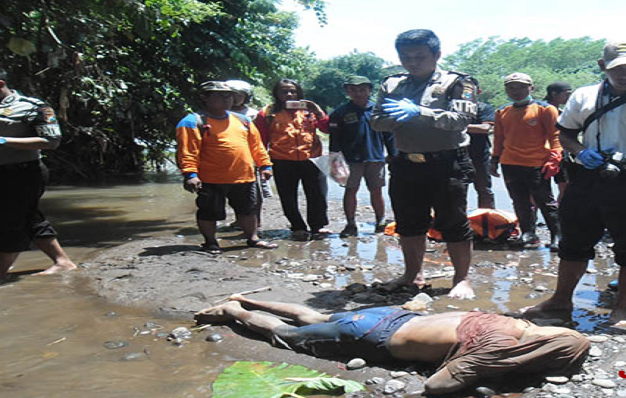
{"x":466,"y":345}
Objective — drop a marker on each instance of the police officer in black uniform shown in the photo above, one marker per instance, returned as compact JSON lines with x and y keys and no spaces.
{"x":428,"y":109}
{"x":27,"y":125}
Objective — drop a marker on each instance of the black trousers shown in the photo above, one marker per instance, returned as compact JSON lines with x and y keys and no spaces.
{"x":523,"y":182}
{"x":480,"y":156}
{"x":287,"y":175}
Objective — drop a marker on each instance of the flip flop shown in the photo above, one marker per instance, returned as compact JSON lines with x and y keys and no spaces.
{"x":212,"y":248}
{"x":261,"y":244}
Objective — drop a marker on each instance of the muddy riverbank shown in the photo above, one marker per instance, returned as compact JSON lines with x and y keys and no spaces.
{"x":171,"y":275}
{"x":101,"y":331}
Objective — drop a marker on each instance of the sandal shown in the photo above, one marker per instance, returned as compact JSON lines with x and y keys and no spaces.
{"x":212,"y":248}
{"x":261,"y":244}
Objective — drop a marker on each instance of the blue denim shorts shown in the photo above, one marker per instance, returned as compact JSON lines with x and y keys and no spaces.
{"x":362,"y":333}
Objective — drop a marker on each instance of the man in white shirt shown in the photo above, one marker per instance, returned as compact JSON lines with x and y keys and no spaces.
{"x":595,"y":198}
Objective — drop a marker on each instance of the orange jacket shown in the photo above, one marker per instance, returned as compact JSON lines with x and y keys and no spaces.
{"x":291,"y":134}
{"x":525,"y":135}
{"x":221,"y":151}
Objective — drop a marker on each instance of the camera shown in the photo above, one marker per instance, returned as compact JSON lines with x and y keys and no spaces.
{"x":295,"y":105}
{"x":614,"y":164}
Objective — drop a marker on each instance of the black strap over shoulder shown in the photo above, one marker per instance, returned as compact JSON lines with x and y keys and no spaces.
{"x":604,"y":109}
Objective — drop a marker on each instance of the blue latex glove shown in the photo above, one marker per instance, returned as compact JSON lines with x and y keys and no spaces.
{"x":402,"y":110}
{"x":590,"y":158}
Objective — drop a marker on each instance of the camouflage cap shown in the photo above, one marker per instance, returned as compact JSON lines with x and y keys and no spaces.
{"x":518,"y":77}
{"x":215,"y":86}
{"x":614,"y":54}
{"x":357,"y":80}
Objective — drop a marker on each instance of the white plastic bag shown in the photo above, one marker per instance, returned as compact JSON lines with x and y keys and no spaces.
{"x":334,"y":166}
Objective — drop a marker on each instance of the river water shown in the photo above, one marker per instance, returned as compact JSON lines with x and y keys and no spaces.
{"x":55,"y":332}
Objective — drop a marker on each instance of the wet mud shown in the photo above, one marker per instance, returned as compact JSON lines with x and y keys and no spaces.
{"x":161,"y":277}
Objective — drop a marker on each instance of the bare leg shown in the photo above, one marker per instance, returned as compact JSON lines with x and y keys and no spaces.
{"x":52,"y":248}
{"x":6,"y":261}
{"x":232,"y":310}
{"x":299,"y":313}
{"x":570,"y":273}
{"x":461,"y":256}
{"x":349,"y":204}
{"x":619,"y":312}
{"x":249,"y":226}
{"x":413,"y":249}
{"x":378,"y":204}
{"x":208,"y":229}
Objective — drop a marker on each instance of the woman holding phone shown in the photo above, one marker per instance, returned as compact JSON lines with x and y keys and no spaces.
{"x":288,"y":128}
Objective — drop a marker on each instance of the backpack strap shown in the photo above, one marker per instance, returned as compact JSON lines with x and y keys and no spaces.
{"x":201,"y":124}
{"x":604,"y":109}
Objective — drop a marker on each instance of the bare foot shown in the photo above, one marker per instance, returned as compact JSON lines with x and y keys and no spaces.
{"x":547,"y":309}
{"x":418,"y":282}
{"x":462,"y":291}
{"x":618,"y":315}
{"x":218,"y":313}
{"x":58,"y":268}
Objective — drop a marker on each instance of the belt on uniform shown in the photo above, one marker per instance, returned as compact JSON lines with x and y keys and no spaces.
{"x":19,"y":166}
{"x":433,"y":156}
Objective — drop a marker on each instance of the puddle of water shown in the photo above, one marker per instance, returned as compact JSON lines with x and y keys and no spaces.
{"x":37,"y":312}
{"x":52,"y":346}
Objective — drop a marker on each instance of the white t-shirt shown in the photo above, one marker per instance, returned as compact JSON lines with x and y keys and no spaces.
{"x":581,"y":104}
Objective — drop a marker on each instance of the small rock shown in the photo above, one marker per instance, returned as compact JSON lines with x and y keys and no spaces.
{"x":485,"y":391}
{"x":310,"y":278}
{"x":621,"y":393}
{"x":393,"y":386}
{"x":452,"y":307}
{"x":578,"y":378}
{"x":180,"y":333}
{"x":133,"y":356}
{"x":160,"y":335}
{"x":326,"y":285}
{"x":597,"y":339}
{"x":561,"y":390}
{"x":351,"y":267}
{"x":356,"y":363}
{"x":374,"y":380}
{"x":111,"y":314}
{"x":595,"y":352}
{"x":528,"y":389}
{"x":604,"y":383}
{"x":398,"y":373}
{"x":541,"y":288}
{"x":214,"y":337}
{"x":619,"y":364}
{"x":112,"y":345}
{"x":557,"y":379}
{"x":356,"y":287}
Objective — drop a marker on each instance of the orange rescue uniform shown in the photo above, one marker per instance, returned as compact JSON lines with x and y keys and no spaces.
{"x":221,"y":151}
{"x":525,"y":136}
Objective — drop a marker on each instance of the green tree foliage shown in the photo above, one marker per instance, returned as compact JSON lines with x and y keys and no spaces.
{"x":325,"y":85}
{"x":121,"y":73}
{"x":490,"y":60}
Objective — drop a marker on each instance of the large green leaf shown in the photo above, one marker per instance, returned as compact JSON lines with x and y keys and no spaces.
{"x":271,"y":380}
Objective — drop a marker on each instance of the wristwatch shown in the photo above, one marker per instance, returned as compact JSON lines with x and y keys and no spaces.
{"x":3,"y":140}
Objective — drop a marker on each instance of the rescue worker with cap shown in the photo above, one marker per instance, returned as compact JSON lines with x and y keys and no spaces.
{"x":217,"y":152}
{"x":364,"y":150}
{"x":428,"y":110}
{"x":27,"y":125}
{"x":241,"y":98}
{"x":594,"y":198}
{"x":526,"y":143}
